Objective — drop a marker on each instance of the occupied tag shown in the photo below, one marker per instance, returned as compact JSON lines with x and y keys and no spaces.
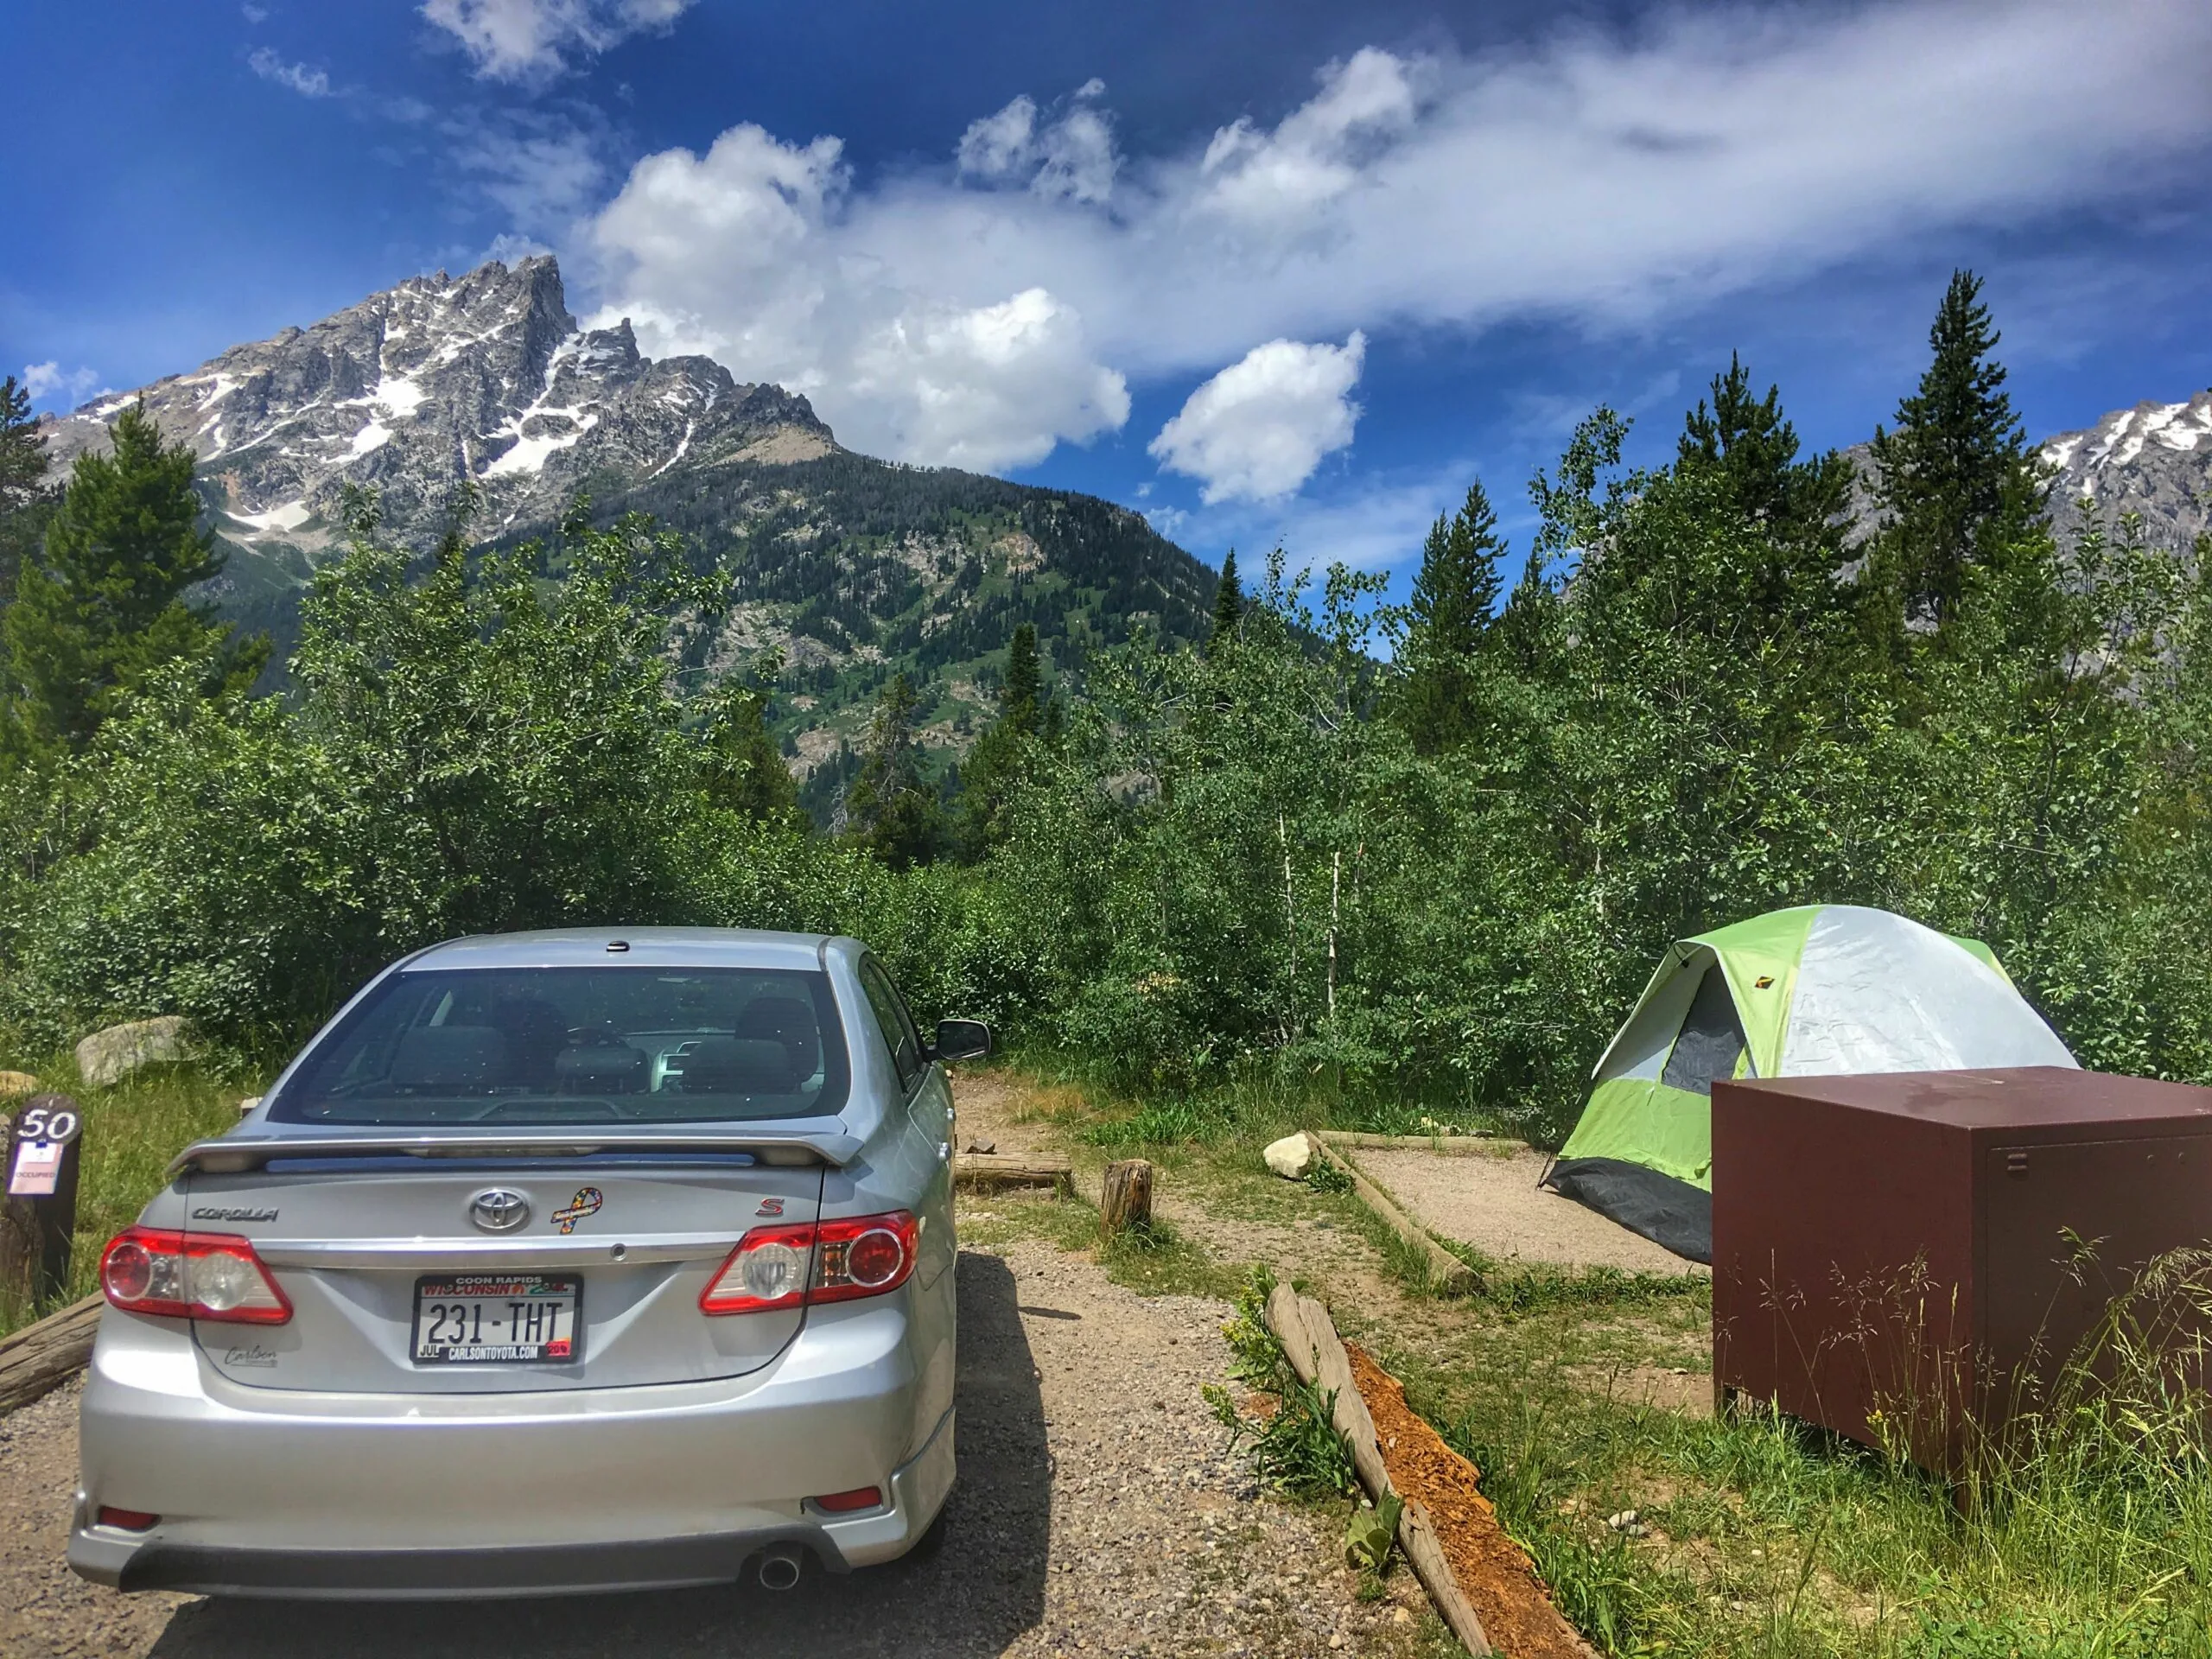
{"x":38,"y":1167}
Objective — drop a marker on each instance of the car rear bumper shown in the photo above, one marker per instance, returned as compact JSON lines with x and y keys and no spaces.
{"x":918,"y":1492}
{"x":277,"y":1493}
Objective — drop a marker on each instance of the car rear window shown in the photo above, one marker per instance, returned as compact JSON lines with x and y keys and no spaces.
{"x":553,"y":1045}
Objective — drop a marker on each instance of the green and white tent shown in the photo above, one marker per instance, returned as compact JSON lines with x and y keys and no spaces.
{"x":1815,"y":990}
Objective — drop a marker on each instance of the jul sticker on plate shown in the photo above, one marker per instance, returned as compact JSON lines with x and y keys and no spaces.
{"x":38,"y":1166}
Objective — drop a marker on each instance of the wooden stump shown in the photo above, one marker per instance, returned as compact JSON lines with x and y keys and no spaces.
{"x":1127,"y":1199}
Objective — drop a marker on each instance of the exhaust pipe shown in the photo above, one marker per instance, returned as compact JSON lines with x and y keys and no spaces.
{"x":779,"y":1566}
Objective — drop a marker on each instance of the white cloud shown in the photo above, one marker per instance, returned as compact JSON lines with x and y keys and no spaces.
{"x":1368,"y":528}
{"x":536,"y":40}
{"x":55,"y":387}
{"x":995,"y":146}
{"x":1371,"y":521}
{"x":1071,"y":157}
{"x":992,"y":387}
{"x":737,"y":253}
{"x":543,"y":170}
{"x":254,"y":13}
{"x":308,"y":83}
{"x":1256,"y":430}
{"x":1607,"y":179}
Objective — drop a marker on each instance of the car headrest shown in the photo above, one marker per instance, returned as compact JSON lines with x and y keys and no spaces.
{"x":600,"y":1071}
{"x":787,"y":1019}
{"x":459,"y":1059}
{"x":738,"y":1066}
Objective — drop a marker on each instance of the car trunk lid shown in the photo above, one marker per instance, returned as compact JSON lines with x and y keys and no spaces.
{"x":586,"y":1262}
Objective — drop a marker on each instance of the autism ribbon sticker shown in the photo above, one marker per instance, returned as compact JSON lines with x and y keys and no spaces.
{"x":586,"y":1203}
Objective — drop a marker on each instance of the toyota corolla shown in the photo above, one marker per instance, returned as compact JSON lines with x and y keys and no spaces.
{"x":557,"y":1262}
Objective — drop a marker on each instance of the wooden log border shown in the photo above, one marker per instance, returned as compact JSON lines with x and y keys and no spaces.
{"x":1316,"y":1354}
{"x":1447,"y":1272}
{"x":1454,"y":1146}
{"x":42,"y":1356}
{"x":980,"y":1172}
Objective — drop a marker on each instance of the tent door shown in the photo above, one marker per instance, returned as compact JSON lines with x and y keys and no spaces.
{"x":1711,"y":1044}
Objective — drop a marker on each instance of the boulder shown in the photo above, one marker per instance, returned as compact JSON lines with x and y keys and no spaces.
{"x":14,"y":1084}
{"x":1292,"y":1156}
{"x":108,"y":1057}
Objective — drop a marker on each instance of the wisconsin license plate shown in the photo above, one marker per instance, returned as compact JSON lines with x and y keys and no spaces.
{"x":498,"y":1319}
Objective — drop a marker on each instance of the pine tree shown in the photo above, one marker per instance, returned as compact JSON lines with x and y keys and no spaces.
{"x":24,"y":504}
{"x":890,"y":810}
{"x":1455,"y":596}
{"x":102,"y":604}
{"x":1020,"y":703}
{"x":22,"y":446}
{"x":1227,"y":602}
{"x":1797,"y":509}
{"x":742,"y":764}
{"x":1955,"y":478}
{"x":1000,"y":763}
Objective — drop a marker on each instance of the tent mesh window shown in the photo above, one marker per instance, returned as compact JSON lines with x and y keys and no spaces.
{"x":1712,"y":1040}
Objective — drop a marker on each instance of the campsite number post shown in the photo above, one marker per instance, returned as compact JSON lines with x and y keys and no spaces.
{"x":38,"y":1213}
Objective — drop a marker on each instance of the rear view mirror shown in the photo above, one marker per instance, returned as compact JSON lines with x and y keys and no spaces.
{"x":960,"y":1039}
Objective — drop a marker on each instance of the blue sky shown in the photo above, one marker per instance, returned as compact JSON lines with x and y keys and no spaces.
{"x":1265,"y":270}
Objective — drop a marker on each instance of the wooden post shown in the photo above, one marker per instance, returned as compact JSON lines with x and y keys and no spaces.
{"x":1126,"y":1199}
{"x":38,"y":1209}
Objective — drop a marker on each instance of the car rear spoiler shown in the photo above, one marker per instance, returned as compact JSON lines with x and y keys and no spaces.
{"x":234,"y":1155}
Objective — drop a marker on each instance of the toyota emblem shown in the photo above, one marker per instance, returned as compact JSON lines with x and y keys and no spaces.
{"x":497,"y":1209}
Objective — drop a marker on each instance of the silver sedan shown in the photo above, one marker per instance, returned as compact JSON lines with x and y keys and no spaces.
{"x":557,"y":1262}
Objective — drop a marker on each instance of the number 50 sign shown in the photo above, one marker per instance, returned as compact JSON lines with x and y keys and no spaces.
{"x":46,"y":1126}
{"x":38,"y":1213}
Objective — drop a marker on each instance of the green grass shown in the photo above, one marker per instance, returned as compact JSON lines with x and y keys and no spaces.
{"x":1249,"y":1110}
{"x":1294,"y":1446}
{"x":130,"y":1133}
{"x":2090,"y":1538}
{"x":1520,"y":1289}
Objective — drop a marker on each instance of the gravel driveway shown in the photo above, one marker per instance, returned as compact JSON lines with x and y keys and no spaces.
{"x":1097,"y":1511}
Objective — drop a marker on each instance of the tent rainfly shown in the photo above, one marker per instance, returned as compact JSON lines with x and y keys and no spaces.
{"x":1809,"y":992}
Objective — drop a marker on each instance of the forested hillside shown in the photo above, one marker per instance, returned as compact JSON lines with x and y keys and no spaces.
{"x":852,"y":571}
{"x":1277,"y":857}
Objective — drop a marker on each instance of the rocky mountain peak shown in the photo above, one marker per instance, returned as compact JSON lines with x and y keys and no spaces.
{"x":438,"y":381}
{"x":2154,"y":459}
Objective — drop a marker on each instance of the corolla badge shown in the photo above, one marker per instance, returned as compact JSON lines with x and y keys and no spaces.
{"x":586,"y":1203}
{"x":498,"y":1210}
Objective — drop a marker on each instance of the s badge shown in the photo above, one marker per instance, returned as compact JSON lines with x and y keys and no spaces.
{"x":770,"y":1207}
{"x":586,"y":1203}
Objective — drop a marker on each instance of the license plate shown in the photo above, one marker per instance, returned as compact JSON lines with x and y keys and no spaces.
{"x":499,"y":1318}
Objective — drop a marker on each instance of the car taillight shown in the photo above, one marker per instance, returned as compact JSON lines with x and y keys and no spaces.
{"x":190,"y":1276}
{"x":814,"y":1261}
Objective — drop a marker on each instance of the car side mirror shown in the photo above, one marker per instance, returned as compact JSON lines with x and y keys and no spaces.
{"x":960,"y":1039}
